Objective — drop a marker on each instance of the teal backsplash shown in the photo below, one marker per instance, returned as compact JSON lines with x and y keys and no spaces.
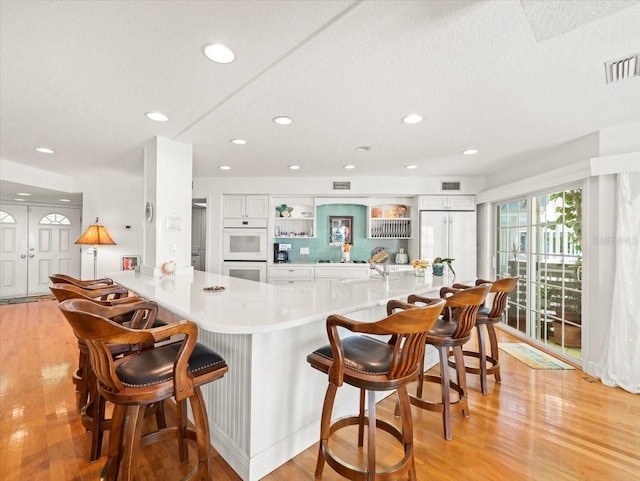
{"x":319,"y":248}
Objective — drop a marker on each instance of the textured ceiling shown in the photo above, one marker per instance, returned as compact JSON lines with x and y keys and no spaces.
{"x":504,"y":77}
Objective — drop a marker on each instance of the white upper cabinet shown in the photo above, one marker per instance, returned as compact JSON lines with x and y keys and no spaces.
{"x":245,"y":206}
{"x":446,"y":202}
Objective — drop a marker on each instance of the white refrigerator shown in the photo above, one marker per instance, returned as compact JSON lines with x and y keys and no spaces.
{"x":450,"y":234}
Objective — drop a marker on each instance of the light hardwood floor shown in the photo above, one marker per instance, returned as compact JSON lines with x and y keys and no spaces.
{"x":538,"y":425}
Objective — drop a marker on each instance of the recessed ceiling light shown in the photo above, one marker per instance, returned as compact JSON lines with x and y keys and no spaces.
{"x":225,"y":167}
{"x":19,"y":200}
{"x":363,"y":148}
{"x":470,"y":152}
{"x":349,"y":167}
{"x":45,"y":150}
{"x":411,"y":167}
{"x":238,"y":141}
{"x":157,"y":116}
{"x":294,"y":167}
{"x":412,"y":119}
{"x":23,"y":193}
{"x":282,"y":120}
{"x":64,"y":200}
{"x":218,"y":53}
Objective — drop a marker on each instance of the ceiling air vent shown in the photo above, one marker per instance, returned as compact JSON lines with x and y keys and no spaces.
{"x":449,"y":186}
{"x":623,"y":68}
{"x":342,"y":185}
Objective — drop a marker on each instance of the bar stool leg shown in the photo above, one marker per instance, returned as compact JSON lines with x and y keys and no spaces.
{"x":361,"y":417}
{"x":404,"y":404}
{"x":199,"y":409}
{"x":482,"y":360}
{"x":446,"y":395}
{"x":493,"y":341}
{"x":132,"y":435}
{"x":325,"y":426}
{"x":111,"y":468}
{"x":371,"y":444}
{"x":181,"y":412}
{"x":462,"y":379}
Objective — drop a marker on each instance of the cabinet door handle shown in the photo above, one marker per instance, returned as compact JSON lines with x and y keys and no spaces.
{"x":32,"y":255}
{"x":23,"y":256}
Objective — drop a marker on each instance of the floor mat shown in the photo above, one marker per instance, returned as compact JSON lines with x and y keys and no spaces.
{"x":21,"y":300}
{"x":533,"y":357}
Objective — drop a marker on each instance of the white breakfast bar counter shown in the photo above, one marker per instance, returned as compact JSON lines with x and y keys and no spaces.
{"x":267,"y":407}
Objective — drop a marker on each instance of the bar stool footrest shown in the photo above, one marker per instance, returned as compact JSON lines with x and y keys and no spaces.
{"x":355,"y":472}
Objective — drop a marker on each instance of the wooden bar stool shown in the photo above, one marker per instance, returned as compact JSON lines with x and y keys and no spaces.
{"x":65,"y":279}
{"x":373,"y":365}
{"x":488,"y":316}
{"x":107,"y":295}
{"x":138,"y":314}
{"x":450,"y":332}
{"x":153,"y":374}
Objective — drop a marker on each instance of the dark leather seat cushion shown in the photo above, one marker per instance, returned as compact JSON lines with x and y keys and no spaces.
{"x":156,"y":365}
{"x":362,"y":354}
{"x":443,"y":328}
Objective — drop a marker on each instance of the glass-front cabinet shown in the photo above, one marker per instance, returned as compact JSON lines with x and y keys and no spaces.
{"x":293,"y":217}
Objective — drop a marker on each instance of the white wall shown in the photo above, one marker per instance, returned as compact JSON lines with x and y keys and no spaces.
{"x":117,"y":201}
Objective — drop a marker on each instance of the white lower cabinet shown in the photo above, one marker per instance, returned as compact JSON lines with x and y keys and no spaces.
{"x":342,"y":272}
{"x":291,"y":273}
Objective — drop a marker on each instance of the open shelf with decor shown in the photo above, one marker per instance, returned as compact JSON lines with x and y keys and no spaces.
{"x":294,"y":218}
{"x":389,"y":221}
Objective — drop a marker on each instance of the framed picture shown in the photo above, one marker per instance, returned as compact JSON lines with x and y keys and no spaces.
{"x":129,"y":263}
{"x":340,"y":230}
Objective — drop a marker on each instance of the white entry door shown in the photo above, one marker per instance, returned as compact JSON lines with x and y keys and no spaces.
{"x":14,"y":241}
{"x":47,"y":247}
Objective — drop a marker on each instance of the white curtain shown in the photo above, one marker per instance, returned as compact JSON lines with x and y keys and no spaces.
{"x":620,"y":363}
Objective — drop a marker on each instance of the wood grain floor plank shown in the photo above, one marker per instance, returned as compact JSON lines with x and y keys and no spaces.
{"x":556,"y":425}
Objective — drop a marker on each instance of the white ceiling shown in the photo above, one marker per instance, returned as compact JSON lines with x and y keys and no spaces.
{"x":504,"y":77}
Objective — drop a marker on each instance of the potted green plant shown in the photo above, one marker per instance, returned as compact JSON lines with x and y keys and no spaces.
{"x":439,"y":263}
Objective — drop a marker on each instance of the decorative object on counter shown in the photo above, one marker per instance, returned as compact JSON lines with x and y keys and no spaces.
{"x":401,"y":211}
{"x":307,"y":214}
{"x":419,"y":267}
{"x":168,"y":268}
{"x":379,"y":254}
{"x":129,"y":263}
{"x":376,"y":212}
{"x":402,"y":257}
{"x":346,"y":253}
{"x":213,"y":289}
{"x":284,"y":210}
{"x":438,"y":265}
{"x":340,"y":229}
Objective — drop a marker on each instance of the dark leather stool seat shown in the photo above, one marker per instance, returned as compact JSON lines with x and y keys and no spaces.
{"x":155,"y":366}
{"x":373,"y":365}
{"x":151,"y":374}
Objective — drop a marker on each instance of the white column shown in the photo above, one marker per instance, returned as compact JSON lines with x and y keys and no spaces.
{"x":167,"y":194}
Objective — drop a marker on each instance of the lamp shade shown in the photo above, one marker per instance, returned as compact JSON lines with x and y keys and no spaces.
{"x":95,"y":234}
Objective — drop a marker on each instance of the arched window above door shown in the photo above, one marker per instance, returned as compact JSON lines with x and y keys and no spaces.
{"x":55,"y":219}
{"x":6,"y":218}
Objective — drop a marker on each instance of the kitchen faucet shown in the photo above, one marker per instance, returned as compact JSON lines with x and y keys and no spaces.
{"x":382,"y":269}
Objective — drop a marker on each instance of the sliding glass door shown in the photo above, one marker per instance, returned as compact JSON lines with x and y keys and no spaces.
{"x":539,"y":239}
